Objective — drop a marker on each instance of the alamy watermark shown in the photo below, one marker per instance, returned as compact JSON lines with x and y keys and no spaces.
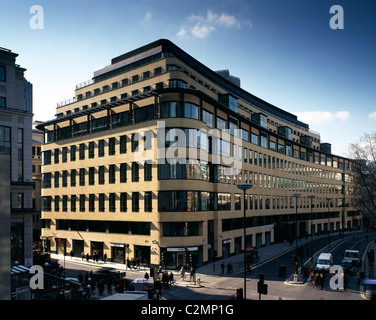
{"x":37,"y":20}
{"x":337,"y":20}
{"x":179,"y":145}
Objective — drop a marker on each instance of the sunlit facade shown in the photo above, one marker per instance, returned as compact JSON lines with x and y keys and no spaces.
{"x":140,"y":164}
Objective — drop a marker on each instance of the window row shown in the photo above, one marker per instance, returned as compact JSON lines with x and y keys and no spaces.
{"x":98,"y":202}
{"x":98,"y":148}
{"x":122,"y":227}
{"x":93,"y":175}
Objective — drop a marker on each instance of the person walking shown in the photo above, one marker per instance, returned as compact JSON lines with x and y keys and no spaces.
{"x":223,"y":267}
{"x":82,"y":256}
{"x":182,"y":273}
{"x":105,"y":258}
{"x":87,"y":257}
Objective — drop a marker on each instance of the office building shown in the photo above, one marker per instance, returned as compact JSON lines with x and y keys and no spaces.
{"x":16,"y":177}
{"x":144,"y":162}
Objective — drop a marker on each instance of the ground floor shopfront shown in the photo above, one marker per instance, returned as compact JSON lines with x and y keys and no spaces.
{"x":174,"y":252}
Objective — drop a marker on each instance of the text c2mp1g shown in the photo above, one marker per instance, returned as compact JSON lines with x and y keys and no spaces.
{"x":190,"y":309}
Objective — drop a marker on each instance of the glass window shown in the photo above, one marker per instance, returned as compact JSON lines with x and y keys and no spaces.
{"x":144,"y":114}
{"x":73,"y":202}
{"x":82,"y":202}
{"x":91,"y":202}
{"x":111,"y":173}
{"x":91,"y":149}
{"x":147,"y":171}
{"x":135,"y":202}
{"x":56,"y":178}
{"x":148,"y":201}
{"x":2,"y":73}
{"x":221,"y":124}
{"x":5,"y":144}
{"x":3,"y":103}
{"x":254,"y":138}
{"x":177,"y":84}
{"x":135,"y":172}
{"x":207,"y":117}
{"x":73,"y":153}
{"x":123,"y":202}
{"x":101,"y":148}
{"x":123,"y":144}
{"x":65,"y":178}
{"x":91,"y":176}
{"x":111,"y":199}
{"x":73,"y":178}
{"x":82,"y":151}
{"x":101,"y":175}
{"x":101,"y":199}
{"x":123,"y":172}
{"x":111,"y":146}
{"x":82,"y":177}
{"x":120,"y":119}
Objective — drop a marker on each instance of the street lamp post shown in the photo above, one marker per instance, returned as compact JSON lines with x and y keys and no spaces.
{"x":329,"y":199}
{"x":296,"y":196}
{"x":245,"y":187}
{"x":311,"y":197}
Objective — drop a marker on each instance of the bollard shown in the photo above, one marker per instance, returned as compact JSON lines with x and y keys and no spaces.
{"x":198,"y":281}
{"x":295,"y":277}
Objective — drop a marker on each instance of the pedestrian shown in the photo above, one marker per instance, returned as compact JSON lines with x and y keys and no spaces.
{"x":109,"y":286}
{"x":192,"y":274}
{"x":322,"y":279}
{"x":229,"y":268}
{"x":101,"y":286}
{"x":146,"y":276}
{"x":182,"y":273}
{"x":82,"y":256}
{"x":171,"y":278}
{"x":165,"y":280}
{"x":128,"y":263}
{"x":223,"y":267}
{"x":105,"y":257}
{"x":315,"y":280}
{"x":71,"y":254}
{"x":87,"y":257}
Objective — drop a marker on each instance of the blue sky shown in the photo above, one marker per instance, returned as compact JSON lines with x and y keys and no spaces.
{"x":284,"y":51}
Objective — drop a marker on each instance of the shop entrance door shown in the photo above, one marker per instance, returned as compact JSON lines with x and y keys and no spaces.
{"x":180,"y":259}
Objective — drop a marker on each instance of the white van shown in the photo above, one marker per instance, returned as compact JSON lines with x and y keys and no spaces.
{"x":354,"y":256}
{"x":324,"y":262}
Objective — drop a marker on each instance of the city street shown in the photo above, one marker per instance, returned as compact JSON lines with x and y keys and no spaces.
{"x":215,"y":286}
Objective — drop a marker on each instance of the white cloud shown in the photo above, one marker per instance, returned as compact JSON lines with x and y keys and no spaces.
{"x":147,"y":17}
{"x":372,"y":115}
{"x":320,"y":117}
{"x":200,"y":26}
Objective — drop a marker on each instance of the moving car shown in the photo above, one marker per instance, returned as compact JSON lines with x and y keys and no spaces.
{"x":324,"y":262}
{"x":354,"y":256}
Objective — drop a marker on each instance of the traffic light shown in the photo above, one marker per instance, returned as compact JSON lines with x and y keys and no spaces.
{"x":239,"y":294}
{"x":294,"y":260}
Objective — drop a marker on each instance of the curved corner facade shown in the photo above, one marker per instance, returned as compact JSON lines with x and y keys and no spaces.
{"x":144,"y":162}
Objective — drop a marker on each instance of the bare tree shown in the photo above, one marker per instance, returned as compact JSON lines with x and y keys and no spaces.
{"x":364,"y":152}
